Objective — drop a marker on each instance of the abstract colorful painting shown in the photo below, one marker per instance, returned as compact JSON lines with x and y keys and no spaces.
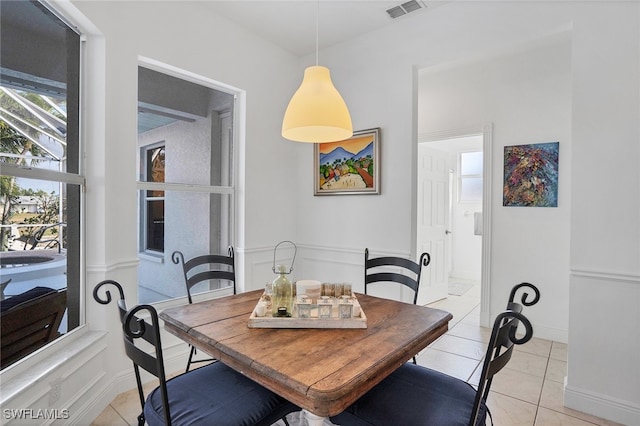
{"x":350,"y":166}
{"x":531,"y":175}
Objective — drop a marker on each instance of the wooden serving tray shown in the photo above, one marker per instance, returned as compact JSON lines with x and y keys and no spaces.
{"x":269,"y":321}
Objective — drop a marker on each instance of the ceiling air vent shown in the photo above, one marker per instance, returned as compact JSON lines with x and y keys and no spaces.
{"x":405,"y":8}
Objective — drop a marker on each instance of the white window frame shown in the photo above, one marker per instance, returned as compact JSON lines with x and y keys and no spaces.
{"x":232,"y":149}
{"x":34,"y":362}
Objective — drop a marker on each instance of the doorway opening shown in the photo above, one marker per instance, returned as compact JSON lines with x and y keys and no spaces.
{"x":453,"y":214}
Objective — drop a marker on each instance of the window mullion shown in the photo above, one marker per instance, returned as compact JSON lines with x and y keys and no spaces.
{"x":41,"y":174}
{"x":163,"y":186}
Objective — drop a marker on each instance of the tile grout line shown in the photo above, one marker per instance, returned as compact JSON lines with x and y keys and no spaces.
{"x":544,"y":377}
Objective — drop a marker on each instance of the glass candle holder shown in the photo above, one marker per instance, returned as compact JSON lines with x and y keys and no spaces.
{"x":357,"y":310}
{"x":283,"y":297}
{"x":345,"y":310}
{"x":304,"y":310}
{"x":267,"y":296}
{"x":324,"y":307}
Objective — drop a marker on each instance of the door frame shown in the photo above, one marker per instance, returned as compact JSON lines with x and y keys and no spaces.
{"x":486,"y":130}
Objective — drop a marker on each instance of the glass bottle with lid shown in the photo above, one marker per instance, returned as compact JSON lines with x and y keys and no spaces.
{"x":282,"y":298}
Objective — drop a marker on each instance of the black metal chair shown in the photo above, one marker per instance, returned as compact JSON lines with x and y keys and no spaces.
{"x":406,"y":272}
{"x":205,"y":268}
{"x":211,"y":395}
{"x":416,"y":395}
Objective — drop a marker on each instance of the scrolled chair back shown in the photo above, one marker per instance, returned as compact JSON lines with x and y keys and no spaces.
{"x":134,"y":328}
{"x":501,"y":344}
{"x":524,"y":300}
{"x":394,"y":269}
{"x":206,"y":267}
{"x":137,"y":328}
{"x":122,"y":304}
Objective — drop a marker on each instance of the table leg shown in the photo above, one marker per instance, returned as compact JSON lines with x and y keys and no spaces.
{"x":312,"y":419}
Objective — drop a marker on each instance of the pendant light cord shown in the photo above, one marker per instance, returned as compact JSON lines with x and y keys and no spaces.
{"x":317,"y":28}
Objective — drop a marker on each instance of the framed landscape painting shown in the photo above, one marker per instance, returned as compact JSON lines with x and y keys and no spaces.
{"x":351,"y":166}
{"x":531,"y":175}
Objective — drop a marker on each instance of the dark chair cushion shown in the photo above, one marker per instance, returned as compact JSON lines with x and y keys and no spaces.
{"x":414,"y":395}
{"x":14,"y":301}
{"x":216,"y":395}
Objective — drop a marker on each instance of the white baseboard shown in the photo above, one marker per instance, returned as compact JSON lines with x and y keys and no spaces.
{"x":95,"y":406}
{"x":465,"y":275}
{"x":603,"y":406}
{"x":175,"y":361}
{"x":549,"y":333}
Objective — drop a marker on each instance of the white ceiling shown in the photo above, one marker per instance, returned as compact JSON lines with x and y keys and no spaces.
{"x":291,"y":24}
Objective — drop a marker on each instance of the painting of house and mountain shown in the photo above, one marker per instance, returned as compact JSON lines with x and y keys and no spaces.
{"x":349,"y":166}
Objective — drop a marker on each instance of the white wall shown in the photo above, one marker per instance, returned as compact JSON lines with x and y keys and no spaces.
{"x":526,"y":94}
{"x":184,"y":35}
{"x":466,"y":244}
{"x":604,"y":319}
{"x":215,"y":49}
{"x":594,"y":115}
{"x":376,"y":75}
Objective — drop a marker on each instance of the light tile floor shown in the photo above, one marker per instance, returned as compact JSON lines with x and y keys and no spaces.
{"x":528,"y":392}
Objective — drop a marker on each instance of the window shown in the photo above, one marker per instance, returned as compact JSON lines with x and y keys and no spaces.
{"x":154,"y":200}
{"x":186,"y":190}
{"x":41,"y":182}
{"x":470,"y":188}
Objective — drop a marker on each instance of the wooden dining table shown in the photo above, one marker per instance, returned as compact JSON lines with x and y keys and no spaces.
{"x":322,"y":370}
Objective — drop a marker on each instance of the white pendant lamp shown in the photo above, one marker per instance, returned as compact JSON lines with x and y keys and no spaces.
{"x":317,"y":112}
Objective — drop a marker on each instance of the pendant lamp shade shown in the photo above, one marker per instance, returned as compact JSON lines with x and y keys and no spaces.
{"x":317,"y":112}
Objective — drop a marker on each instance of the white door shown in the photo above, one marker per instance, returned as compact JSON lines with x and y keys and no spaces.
{"x":433,"y":222}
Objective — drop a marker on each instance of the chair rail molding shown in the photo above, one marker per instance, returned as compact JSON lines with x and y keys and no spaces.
{"x":328,"y":263}
{"x":606,"y":275}
{"x":104,"y":268}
